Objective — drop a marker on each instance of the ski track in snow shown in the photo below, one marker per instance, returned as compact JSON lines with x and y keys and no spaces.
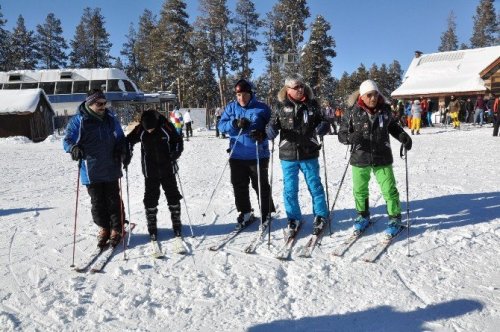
{"x":451,"y":281}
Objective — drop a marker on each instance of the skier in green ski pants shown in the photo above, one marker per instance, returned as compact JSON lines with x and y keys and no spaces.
{"x":366,"y":127}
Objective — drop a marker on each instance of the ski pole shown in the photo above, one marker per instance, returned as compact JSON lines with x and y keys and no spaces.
{"x":340,"y":186}
{"x":76,"y":210}
{"x":326,"y":184}
{"x":122,"y":218}
{"x":404,"y":154}
{"x":185,"y":204}
{"x":223,"y":170}
{"x":128,"y":208}
{"x":258,"y":180}
{"x":270,"y":196}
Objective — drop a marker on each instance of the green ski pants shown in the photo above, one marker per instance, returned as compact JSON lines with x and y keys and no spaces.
{"x":387,"y":183}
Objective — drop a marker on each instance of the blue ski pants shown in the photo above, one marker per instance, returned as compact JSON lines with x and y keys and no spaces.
{"x":310,"y":170}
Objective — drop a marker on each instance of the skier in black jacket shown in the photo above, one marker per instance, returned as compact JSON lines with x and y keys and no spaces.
{"x":366,"y":127}
{"x":161,"y":146}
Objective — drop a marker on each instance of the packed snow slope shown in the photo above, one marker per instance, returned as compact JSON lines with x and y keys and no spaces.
{"x":450,"y":281}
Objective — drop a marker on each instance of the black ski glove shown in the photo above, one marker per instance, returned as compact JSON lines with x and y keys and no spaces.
{"x":257,"y":135}
{"x":323,"y":128}
{"x":405,"y":139}
{"x":241,"y":123}
{"x":355,"y":137}
{"x":76,"y":152}
{"x":175,"y":167}
{"x":127,"y":159}
{"x":119,"y":153}
{"x":174,"y":155}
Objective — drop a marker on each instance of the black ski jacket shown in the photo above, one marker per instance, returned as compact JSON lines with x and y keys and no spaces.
{"x":158,"y":149}
{"x":297,"y":124}
{"x":375,"y":147}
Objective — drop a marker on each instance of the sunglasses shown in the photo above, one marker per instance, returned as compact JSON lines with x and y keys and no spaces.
{"x":372,"y":95}
{"x":297,"y":87}
{"x":100,"y":104}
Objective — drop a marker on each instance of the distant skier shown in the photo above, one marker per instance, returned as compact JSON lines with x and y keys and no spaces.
{"x":177,"y":120}
{"x":94,"y":136}
{"x":188,"y":122}
{"x":161,"y":146}
{"x":366,"y":127}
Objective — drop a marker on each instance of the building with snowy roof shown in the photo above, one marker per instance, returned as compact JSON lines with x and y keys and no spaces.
{"x":26,"y":113}
{"x":458,"y":73}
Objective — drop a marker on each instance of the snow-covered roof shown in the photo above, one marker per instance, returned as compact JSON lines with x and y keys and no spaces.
{"x":447,"y":72}
{"x":20,"y":101}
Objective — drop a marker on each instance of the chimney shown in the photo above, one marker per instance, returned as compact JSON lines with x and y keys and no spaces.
{"x":418,"y":54}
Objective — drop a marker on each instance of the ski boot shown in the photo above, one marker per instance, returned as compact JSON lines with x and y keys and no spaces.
{"x":175,"y":216}
{"x":318,"y":225}
{"x":115,"y":238}
{"x":394,"y":227}
{"x":360,"y":224}
{"x":244,"y":219}
{"x":103,"y":237}
{"x":151,"y":219}
{"x":292,"y":227}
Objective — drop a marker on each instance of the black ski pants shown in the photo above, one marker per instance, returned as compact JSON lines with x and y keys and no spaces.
{"x":242,"y":173}
{"x":107,"y":208}
{"x":152,"y":191}
{"x":189,"y":129}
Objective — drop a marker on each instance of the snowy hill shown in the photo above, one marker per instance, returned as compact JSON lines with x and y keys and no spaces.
{"x":451,"y":281}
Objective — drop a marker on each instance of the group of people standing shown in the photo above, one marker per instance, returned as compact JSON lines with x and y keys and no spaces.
{"x":298,"y":122}
{"x":95,"y":138}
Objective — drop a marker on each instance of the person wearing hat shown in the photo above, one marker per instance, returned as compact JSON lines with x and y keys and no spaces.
{"x":244,"y":120}
{"x":95,"y":137}
{"x":298,"y":122}
{"x":416,"y":117}
{"x":161,"y":146}
{"x":366,"y":127}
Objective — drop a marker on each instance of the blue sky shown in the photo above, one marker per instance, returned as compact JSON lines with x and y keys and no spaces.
{"x":365,"y":31}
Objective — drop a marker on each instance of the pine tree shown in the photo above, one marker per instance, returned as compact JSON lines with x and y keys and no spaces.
{"x":4,"y":45}
{"x":23,"y":47}
{"x":288,"y":19}
{"x":130,"y":52}
{"x":215,"y":21}
{"x":202,"y":90}
{"x":118,"y":63}
{"x":51,"y":44}
{"x":315,"y":63}
{"x":91,"y":46}
{"x":246,"y":23}
{"x":145,"y":49}
{"x":176,"y":49}
{"x":486,"y":26}
{"x":395,"y":74}
{"x":449,"y":40}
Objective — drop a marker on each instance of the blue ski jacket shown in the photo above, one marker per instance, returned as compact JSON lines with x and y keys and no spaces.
{"x":259,"y":114}
{"x":100,"y":140}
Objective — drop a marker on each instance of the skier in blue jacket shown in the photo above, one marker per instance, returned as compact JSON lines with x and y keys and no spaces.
{"x":94,"y":137}
{"x":245,"y":120}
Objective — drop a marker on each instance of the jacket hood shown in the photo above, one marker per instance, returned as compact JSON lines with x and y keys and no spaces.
{"x":307,"y":92}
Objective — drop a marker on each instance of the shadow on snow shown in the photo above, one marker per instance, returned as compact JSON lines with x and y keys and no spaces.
{"x":382,"y":318}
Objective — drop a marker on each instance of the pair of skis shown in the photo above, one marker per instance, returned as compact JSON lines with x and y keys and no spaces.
{"x":180,"y":247}
{"x":98,"y":258}
{"x":374,"y":253}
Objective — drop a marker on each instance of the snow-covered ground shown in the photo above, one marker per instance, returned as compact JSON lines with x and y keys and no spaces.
{"x":451,"y":282}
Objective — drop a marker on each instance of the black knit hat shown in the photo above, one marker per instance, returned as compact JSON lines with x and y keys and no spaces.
{"x":149,"y":119}
{"x":93,"y":96}
{"x":243,"y":86}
